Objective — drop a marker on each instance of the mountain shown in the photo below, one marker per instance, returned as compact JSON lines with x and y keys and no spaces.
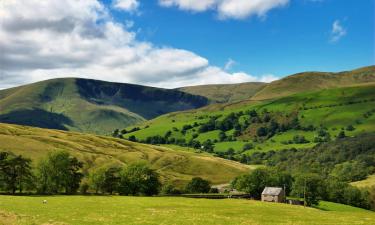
{"x":225,"y":93}
{"x":96,"y":151}
{"x":313,"y":81}
{"x":90,"y":105}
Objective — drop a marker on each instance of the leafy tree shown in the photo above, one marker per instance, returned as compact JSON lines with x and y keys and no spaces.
{"x":247,"y":146}
{"x":255,"y":182}
{"x":15,"y":172}
{"x":170,"y":189}
{"x":111,"y":179}
{"x":59,"y":172}
{"x":350,"y":128}
{"x":350,"y":171}
{"x":97,"y":179}
{"x":222,"y":136}
{"x":310,"y":186}
{"x":341,"y":135}
{"x":198,"y":185}
{"x":139,"y":179}
{"x":132,"y":138}
{"x":262,"y":131}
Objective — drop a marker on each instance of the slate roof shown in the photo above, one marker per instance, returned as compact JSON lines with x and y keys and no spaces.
{"x":272,"y":191}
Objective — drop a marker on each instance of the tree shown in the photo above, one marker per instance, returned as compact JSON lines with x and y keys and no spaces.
{"x":341,"y":135}
{"x":111,"y":179}
{"x":247,"y":146}
{"x":97,"y":179}
{"x":262,"y":131}
{"x":59,"y":172}
{"x":15,"y":172}
{"x":222,"y":136}
{"x":255,"y":182}
{"x":310,"y":187}
{"x":198,"y":185}
{"x":139,"y":179}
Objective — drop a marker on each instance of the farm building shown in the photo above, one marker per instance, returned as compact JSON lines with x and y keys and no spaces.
{"x":273,"y":194}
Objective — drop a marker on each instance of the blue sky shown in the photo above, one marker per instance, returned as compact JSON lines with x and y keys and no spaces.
{"x":288,"y":40}
{"x":174,"y":43}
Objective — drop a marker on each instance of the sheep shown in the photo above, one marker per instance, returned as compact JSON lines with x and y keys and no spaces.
{"x":44,"y":201}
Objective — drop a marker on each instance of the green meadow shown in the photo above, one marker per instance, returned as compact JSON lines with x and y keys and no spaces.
{"x":91,"y":210}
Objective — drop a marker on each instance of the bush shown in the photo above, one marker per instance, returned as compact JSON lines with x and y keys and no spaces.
{"x":198,"y":185}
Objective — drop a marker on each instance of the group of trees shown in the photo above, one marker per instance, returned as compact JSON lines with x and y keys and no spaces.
{"x":135,"y":179}
{"x":61,"y":173}
{"x":57,"y":173}
{"x":309,"y":186}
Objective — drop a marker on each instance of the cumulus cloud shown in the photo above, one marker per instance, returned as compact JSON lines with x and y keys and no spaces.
{"x":126,"y":5}
{"x":227,"y":9}
{"x":338,"y":31}
{"x":68,"y":38}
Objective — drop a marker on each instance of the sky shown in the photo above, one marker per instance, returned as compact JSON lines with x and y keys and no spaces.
{"x":174,"y":43}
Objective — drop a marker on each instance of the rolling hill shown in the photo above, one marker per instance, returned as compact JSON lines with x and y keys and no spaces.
{"x":313,"y":81}
{"x":96,"y":151}
{"x":348,"y":109}
{"x":225,"y":93}
{"x":89,"y":105}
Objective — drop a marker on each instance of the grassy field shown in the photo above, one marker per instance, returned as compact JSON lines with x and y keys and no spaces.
{"x":175,"y":165}
{"x":168,"y":210}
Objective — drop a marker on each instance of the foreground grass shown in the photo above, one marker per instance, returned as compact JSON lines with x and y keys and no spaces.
{"x":167,"y":210}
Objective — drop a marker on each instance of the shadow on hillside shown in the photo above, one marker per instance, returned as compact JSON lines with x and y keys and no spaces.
{"x":37,"y":118}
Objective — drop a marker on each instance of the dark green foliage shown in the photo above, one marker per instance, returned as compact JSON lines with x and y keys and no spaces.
{"x":341,"y":135}
{"x":310,"y":187}
{"x":170,"y":189}
{"x":257,"y":180}
{"x":111,"y":179}
{"x":350,"y":128}
{"x":262,"y":131}
{"x":300,"y":139}
{"x":15,"y":173}
{"x":351,"y":171}
{"x":139,"y":179}
{"x":59,"y":172}
{"x":198,"y":185}
{"x":247,"y":146}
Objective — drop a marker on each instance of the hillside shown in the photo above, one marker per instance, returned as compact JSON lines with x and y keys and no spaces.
{"x":96,"y":151}
{"x":313,"y":81}
{"x":89,"y":105}
{"x":92,"y":210}
{"x":225,"y":93}
{"x":297,"y":121}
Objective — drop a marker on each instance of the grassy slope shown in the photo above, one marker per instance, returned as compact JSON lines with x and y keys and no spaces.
{"x":89,"y":105}
{"x":95,"y":151}
{"x":322,"y":108}
{"x":168,"y":210}
{"x":312,"y":81}
{"x":367,"y":183}
{"x":223,"y":93}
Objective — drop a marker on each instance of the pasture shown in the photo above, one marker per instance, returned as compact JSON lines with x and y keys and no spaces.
{"x":170,"y":210}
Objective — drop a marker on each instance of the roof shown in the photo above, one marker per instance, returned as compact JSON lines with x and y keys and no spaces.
{"x":272,"y":191}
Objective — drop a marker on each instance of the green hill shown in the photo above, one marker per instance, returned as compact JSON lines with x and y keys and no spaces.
{"x":96,"y":151}
{"x":225,"y":93}
{"x":89,"y":105}
{"x":313,"y":81}
{"x":316,"y":116}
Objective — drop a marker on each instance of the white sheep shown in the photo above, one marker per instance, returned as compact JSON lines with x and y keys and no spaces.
{"x":44,"y":201}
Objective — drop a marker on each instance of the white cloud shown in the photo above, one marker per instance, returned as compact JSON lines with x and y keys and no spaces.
{"x":227,"y":9}
{"x":229,"y":64}
{"x":126,"y":5}
{"x":67,"y":38}
{"x":338,"y":31}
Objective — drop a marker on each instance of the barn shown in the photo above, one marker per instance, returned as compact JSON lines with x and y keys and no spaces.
{"x":273,"y":194}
